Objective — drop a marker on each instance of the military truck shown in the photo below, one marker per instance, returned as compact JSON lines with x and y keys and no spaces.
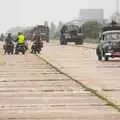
{"x":40,"y":29}
{"x":71,"y":33}
{"x":109,"y":46}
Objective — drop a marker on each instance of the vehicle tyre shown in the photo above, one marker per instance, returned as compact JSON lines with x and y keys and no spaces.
{"x":38,"y":51}
{"x":4,"y":52}
{"x":9,"y":52}
{"x":99,"y":57}
{"x":99,"y":54}
{"x":34,"y":51}
{"x":16,"y":52}
{"x":77,"y":43}
{"x":23,"y":52}
{"x":106,"y":58}
{"x":80,"y":42}
{"x":65,"y":42}
{"x":61,"y":43}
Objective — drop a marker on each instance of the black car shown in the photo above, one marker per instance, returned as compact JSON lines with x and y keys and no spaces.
{"x":109,"y":45}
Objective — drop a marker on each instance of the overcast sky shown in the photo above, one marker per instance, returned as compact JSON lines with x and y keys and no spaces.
{"x":31,"y":12}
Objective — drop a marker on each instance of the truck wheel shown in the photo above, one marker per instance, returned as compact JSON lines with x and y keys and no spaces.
{"x":77,"y":43}
{"x":61,"y":43}
{"x":80,"y":42}
{"x":65,"y":42}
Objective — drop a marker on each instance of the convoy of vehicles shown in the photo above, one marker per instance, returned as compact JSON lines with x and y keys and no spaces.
{"x":108,"y":47}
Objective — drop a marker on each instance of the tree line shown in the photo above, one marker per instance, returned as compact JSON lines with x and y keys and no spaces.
{"x":91,"y":29}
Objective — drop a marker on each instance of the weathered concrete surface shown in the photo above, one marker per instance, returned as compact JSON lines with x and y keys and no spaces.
{"x":30,"y":89}
{"x":81,"y":63}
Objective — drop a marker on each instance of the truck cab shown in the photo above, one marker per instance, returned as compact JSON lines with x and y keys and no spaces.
{"x":71,"y":33}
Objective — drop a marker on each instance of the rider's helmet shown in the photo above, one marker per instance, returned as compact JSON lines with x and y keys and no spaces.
{"x":19,"y":33}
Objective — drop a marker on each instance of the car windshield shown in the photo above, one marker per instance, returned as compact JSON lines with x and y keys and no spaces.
{"x":111,"y":36}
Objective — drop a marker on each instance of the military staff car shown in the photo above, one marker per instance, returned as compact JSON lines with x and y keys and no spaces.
{"x":109,"y":46}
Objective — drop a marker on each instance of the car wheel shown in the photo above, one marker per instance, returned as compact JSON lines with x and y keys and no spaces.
{"x":106,"y":58}
{"x":99,"y":54}
{"x":99,"y":57}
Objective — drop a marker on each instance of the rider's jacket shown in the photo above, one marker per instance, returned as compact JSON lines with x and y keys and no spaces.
{"x":21,"y":39}
{"x":9,"y":39}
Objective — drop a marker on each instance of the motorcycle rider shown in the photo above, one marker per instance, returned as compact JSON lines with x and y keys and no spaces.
{"x":36,"y":41}
{"x":8,"y":41}
{"x":20,"y":40}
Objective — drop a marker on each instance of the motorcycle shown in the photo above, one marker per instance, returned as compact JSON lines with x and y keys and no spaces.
{"x":37,"y":47}
{"x":20,"y":48}
{"x":8,"y":48}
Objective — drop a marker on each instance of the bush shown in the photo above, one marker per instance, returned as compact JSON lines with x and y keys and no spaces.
{"x":91,"y":29}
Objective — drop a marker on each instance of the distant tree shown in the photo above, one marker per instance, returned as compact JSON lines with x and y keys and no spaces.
{"x":91,"y":29}
{"x":52,"y":30}
{"x":46,"y":23}
{"x":1,"y":37}
{"x":60,"y":24}
{"x":55,"y":30}
{"x":57,"y":33}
